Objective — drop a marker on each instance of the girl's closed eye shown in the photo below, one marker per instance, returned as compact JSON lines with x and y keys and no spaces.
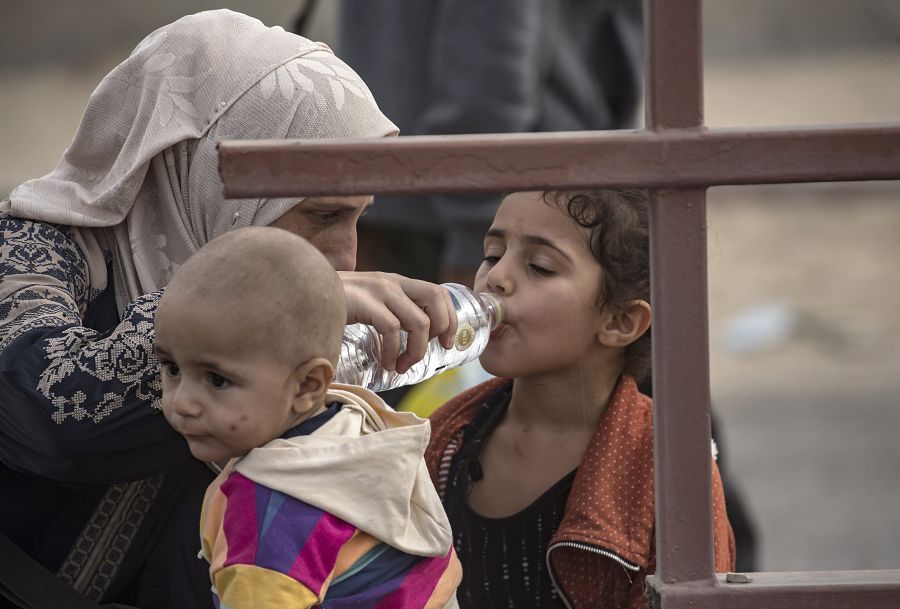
{"x":541,"y":270}
{"x":493,"y":252}
{"x":218,"y":381}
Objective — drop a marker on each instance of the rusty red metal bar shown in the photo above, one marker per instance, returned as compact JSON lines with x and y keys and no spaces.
{"x":677,"y":158}
{"x":674,"y":63}
{"x":682,"y":455}
{"x":799,"y":590}
{"x":681,"y":422}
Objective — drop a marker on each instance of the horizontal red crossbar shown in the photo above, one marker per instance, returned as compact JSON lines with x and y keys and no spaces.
{"x":678,"y":158}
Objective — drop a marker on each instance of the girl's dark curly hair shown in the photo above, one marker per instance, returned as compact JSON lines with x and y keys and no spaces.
{"x":619,"y":237}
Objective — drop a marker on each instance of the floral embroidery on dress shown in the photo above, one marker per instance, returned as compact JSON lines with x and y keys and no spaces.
{"x":33,"y":249}
{"x":44,"y":292}
{"x":124,"y":361}
{"x":39,"y":249}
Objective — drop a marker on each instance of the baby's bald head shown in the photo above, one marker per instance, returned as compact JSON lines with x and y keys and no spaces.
{"x":276,"y":283}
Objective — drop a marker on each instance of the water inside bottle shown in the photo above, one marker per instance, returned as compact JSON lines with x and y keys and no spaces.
{"x":477,"y":315}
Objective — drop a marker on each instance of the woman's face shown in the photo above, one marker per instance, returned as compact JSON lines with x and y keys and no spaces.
{"x":329,"y":223}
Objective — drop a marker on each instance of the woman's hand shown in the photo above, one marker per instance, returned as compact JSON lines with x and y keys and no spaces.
{"x":392,"y":302}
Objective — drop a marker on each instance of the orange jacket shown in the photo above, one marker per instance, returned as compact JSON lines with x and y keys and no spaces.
{"x":604,"y":547}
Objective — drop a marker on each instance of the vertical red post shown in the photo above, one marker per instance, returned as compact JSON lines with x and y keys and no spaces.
{"x":674,"y":100}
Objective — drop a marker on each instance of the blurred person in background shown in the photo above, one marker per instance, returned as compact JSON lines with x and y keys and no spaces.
{"x":472,"y":66}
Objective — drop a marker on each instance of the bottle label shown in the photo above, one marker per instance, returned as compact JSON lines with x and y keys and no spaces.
{"x":465,"y":336}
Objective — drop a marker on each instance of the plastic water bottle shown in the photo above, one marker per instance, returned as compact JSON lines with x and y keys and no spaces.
{"x":359,"y":364}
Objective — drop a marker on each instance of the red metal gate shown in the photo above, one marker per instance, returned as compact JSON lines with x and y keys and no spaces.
{"x":677,"y":158}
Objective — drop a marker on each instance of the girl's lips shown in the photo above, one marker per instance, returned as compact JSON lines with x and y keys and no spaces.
{"x":497,"y":332}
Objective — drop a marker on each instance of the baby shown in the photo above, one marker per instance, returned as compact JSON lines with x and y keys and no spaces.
{"x":324,"y":498}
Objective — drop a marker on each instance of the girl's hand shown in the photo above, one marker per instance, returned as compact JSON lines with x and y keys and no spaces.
{"x":392,"y":302}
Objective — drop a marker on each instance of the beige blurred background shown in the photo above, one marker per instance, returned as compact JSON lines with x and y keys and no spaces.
{"x":804,"y":280}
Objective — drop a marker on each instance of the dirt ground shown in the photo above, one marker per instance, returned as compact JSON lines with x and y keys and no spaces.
{"x":811,"y":414}
{"x":811,"y":417}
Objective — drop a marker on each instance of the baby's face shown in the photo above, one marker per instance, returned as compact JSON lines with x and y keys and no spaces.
{"x":222,"y":389}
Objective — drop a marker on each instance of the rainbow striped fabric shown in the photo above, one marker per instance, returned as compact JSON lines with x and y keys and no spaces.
{"x":270,"y":550}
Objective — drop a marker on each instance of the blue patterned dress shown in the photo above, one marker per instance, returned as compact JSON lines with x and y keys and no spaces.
{"x":96,"y":486}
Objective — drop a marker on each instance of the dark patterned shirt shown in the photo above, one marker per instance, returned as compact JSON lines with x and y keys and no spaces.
{"x":97,"y":487}
{"x":503,"y":559}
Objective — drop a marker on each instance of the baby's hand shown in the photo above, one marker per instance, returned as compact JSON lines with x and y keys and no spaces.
{"x":390,"y":302}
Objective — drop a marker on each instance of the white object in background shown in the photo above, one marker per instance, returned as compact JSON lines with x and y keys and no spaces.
{"x":760,"y":328}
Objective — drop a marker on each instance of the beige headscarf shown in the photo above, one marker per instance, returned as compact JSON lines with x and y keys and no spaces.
{"x":140,"y":178}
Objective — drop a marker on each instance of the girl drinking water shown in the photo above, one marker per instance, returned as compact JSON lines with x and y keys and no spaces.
{"x":546,"y":472}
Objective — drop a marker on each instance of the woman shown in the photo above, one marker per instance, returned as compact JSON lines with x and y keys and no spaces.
{"x":98,"y":489}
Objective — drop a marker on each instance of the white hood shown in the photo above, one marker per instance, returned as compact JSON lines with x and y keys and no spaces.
{"x":365,"y":466}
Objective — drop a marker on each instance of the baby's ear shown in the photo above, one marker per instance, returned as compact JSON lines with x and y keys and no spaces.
{"x":623,"y":327}
{"x":312,"y":380}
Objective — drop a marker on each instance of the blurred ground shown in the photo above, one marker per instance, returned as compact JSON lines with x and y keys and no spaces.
{"x":811,"y":417}
{"x":811,"y":420}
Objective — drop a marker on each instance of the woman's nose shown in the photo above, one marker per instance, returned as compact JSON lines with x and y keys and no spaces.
{"x":341,"y":253}
{"x":342,"y":260}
